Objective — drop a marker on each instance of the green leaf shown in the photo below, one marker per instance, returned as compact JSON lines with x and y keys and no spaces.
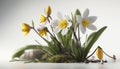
{"x":20,"y":51}
{"x":92,"y":39}
{"x":75,"y":50}
{"x":32,"y":23}
{"x":65,"y":40}
{"x":77,"y":12}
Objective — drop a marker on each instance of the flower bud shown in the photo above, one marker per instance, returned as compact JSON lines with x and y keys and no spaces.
{"x":99,"y":53}
{"x":48,"y":10}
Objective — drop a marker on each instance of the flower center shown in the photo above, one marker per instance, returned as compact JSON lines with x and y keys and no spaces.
{"x":43,"y":19}
{"x":43,"y":32}
{"x":62,"y":24}
{"x":85,"y":23}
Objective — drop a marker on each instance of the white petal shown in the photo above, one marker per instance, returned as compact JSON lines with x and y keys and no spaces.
{"x":64,"y":31}
{"x":83,"y":29}
{"x":92,"y":27}
{"x":41,"y":27}
{"x":92,"y":19}
{"x":69,"y":24}
{"x":54,"y":23}
{"x":57,"y":30}
{"x":86,"y":13}
{"x":67,"y":17}
{"x":79,"y":19}
{"x":59,"y":15}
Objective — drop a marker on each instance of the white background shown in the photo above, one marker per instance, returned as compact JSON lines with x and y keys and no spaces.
{"x":14,"y":12}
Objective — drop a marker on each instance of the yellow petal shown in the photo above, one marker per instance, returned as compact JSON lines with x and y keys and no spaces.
{"x":48,"y":10}
{"x":42,"y":18}
{"x":25,"y":25}
{"x":99,"y":53}
{"x":26,"y":33}
{"x":43,"y":32}
{"x":26,"y":28}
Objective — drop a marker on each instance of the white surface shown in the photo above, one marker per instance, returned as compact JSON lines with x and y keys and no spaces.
{"x":14,"y":12}
{"x":19,"y":65}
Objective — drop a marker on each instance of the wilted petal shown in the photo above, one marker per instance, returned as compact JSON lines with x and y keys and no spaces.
{"x":64,"y":31}
{"x":86,"y":13}
{"x":92,"y":27}
{"x":57,"y":30}
{"x":79,"y":19}
{"x":83,"y":29}
{"x":92,"y":19}
{"x":60,"y":15}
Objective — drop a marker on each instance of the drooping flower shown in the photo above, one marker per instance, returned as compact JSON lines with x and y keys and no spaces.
{"x":99,"y":53}
{"x":43,"y":19}
{"x":61,"y":24}
{"x":26,"y":28}
{"x":86,"y":21}
{"x":48,"y":10}
{"x":42,"y":31}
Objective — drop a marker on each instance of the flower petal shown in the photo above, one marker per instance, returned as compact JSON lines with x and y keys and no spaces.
{"x":59,"y":15}
{"x":86,"y":13}
{"x":26,"y":33}
{"x":57,"y":30}
{"x":69,"y":24}
{"x":67,"y":17}
{"x":83,"y":29}
{"x":92,"y":19}
{"x":79,"y":19}
{"x":92,"y":27}
{"x":64,"y":31}
{"x":54,"y":23}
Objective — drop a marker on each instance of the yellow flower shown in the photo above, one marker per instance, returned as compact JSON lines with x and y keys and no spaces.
{"x":99,"y":53}
{"x":42,"y":31}
{"x":48,"y":10}
{"x":26,"y":28}
{"x":43,"y":19}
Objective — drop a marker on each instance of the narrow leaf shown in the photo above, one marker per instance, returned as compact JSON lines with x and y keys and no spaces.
{"x":20,"y":51}
{"x":92,"y":39}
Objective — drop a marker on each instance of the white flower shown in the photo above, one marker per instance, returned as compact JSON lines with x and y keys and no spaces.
{"x":61,"y":24}
{"x":86,"y":21}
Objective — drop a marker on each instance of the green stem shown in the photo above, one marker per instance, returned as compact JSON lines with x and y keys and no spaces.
{"x":79,"y":36}
{"x":91,"y":54}
{"x":59,"y":44}
{"x":109,"y":55}
{"x":39,"y":34}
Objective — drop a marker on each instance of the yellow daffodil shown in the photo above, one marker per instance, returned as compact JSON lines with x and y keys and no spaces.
{"x":61,"y":24}
{"x":43,"y":19}
{"x":26,"y":28}
{"x":42,"y":31}
{"x":99,"y":53}
{"x":86,"y":21}
{"x":48,"y":10}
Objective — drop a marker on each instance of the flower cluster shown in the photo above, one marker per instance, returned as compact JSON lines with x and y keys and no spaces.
{"x":65,"y":34}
